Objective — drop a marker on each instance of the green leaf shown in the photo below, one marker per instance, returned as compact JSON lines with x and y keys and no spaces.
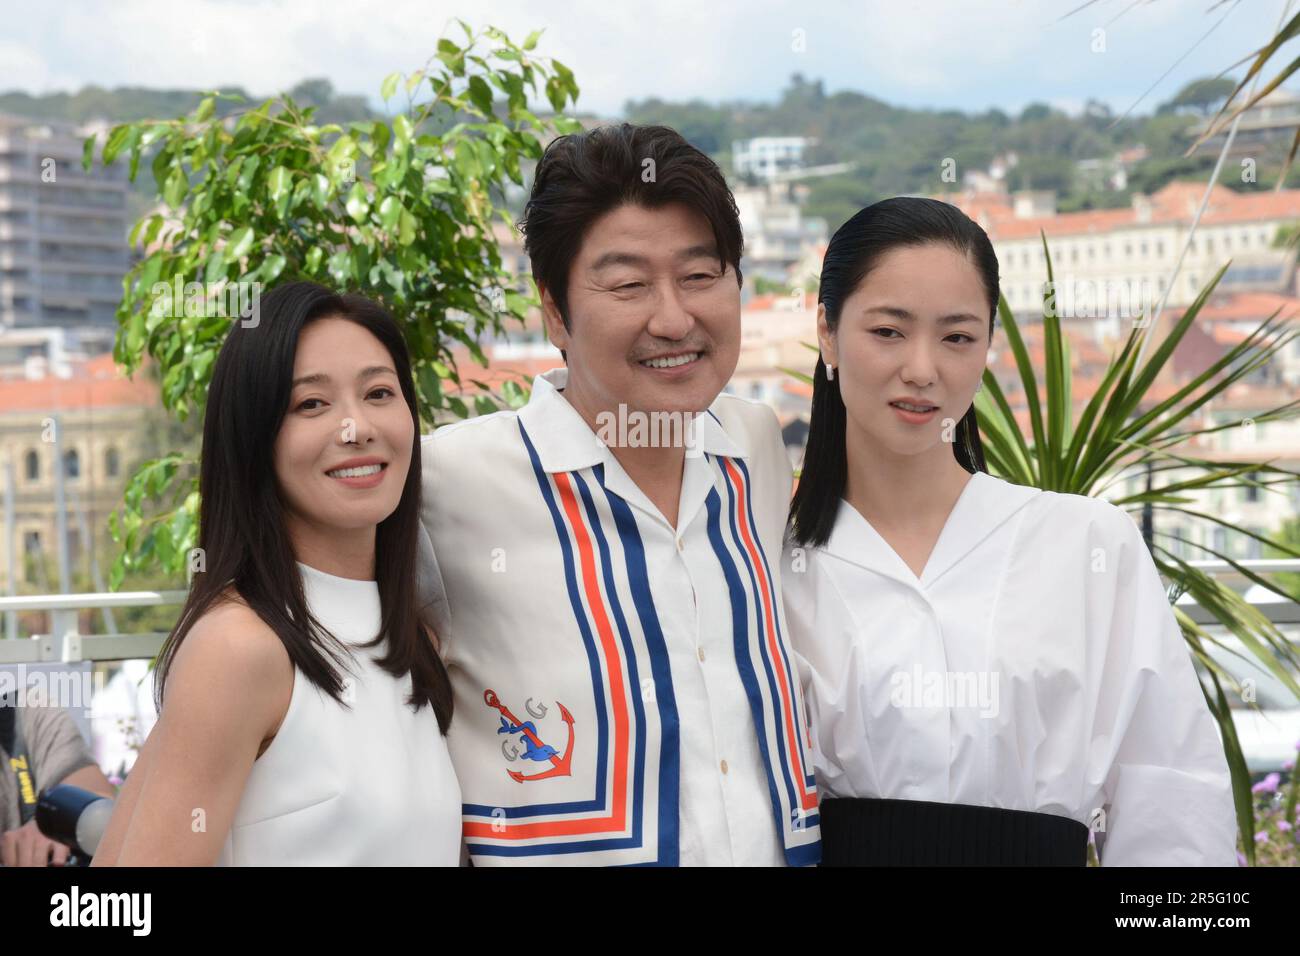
{"x":174,"y":191}
{"x":556,"y":93}
{"x":113,"y":145}
{"x":271,"y":268}
{"x":248,"y":170}
{"x":402,"y":130}
{"x":389,"y":211}
{"x":340,"y":267}
{"x":480,"y":94}
{"x":321,"y":189}
{"x":312,"y":262}
{"x":389,"y":86}
{"x":451,"y":55}
{"x":241,"y":240}
{"x":406,"y":228}
{"x":358,"y":204}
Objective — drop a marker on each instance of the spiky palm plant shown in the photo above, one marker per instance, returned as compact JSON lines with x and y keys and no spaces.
{"x":1121,"y":433}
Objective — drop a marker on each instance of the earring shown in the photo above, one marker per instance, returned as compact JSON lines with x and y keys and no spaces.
{"x":830,"y":373}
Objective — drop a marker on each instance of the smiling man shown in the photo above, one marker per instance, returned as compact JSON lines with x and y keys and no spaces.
{"x":625,"y":691}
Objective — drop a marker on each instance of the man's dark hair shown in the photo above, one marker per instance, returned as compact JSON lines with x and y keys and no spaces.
{"x":582,"y":176}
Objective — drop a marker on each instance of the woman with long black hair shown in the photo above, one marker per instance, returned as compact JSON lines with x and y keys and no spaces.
{"x":991,"y":670}
{"x":302,"y":702}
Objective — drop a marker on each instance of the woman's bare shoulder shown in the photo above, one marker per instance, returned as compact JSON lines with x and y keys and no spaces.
{"x":230,"y":644}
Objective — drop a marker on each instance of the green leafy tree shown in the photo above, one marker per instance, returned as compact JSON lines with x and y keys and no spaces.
{"x":1201,"y":95}
{"x":401,"y":209}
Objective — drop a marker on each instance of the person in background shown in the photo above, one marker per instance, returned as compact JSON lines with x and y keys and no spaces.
{"x":41,"y":748}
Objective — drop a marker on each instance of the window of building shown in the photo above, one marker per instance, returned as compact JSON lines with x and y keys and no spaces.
{"x":72,"y":463}
{"x":32,"y":466}
{"x":112,"y":463}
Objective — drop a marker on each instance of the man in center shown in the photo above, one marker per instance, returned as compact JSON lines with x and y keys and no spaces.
{"x":610,"y":553}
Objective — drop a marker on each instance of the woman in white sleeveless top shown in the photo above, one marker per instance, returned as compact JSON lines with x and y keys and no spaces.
{"x":302,"y":702}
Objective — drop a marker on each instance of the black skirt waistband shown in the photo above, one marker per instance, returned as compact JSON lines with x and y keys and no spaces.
{"x":873,"y":832}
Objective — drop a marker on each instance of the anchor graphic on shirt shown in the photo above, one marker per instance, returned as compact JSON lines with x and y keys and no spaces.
{"x":534,"y":747}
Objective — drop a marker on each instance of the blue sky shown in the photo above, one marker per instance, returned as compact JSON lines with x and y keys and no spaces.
{"x":963,"y":54}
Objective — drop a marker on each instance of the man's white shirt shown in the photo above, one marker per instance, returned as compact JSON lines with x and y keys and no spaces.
{"x":625,"y":691}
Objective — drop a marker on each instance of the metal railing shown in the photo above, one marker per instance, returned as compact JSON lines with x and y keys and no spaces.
{"x":65,"y":644}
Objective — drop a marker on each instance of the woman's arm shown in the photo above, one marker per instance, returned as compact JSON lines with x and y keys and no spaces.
{"x":1168,"y":792}
{"x":92,"y":779}
{"x":228,"y":690}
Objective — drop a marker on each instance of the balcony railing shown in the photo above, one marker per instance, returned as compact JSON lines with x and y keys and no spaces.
{"x":65,"y":644}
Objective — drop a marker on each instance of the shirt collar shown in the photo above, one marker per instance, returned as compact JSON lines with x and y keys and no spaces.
{"x":565,"y":442}
{"x":985,"y":504}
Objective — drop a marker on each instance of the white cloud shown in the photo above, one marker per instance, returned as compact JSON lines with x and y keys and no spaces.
{"x":939,"y":53}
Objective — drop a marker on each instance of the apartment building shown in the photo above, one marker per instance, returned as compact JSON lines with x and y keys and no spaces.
{"x":63,"y":248}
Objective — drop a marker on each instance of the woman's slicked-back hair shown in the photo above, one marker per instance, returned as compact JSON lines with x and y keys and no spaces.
{"x":852,"y":253}
{"x":582,"y":176}
{"x":244,"y":542}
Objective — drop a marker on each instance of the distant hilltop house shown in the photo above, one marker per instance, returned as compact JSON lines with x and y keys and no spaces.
{"x":766,"y":157}
{"x":1272,"y":120}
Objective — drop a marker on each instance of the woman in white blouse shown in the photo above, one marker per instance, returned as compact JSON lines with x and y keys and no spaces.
{"x":991,"y":671}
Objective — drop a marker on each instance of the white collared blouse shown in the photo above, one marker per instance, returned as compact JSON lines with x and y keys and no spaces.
{"x":625,"y":693}
{"x":1035,"y":664}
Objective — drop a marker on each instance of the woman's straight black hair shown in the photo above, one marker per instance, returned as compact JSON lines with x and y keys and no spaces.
{"x":244,"y":542}
{"x":853,"y":251}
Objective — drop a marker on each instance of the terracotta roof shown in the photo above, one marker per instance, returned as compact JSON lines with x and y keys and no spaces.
{"x":1175,"y":203}
{"x":761,"y":303}
{"x":97,"y":384}
{"x":1246,"y":305}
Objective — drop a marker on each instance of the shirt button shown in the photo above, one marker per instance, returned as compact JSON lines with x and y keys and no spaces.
{"x":724,"y":766}
{"x":701,"y":653}
{"x":681,"y":546}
